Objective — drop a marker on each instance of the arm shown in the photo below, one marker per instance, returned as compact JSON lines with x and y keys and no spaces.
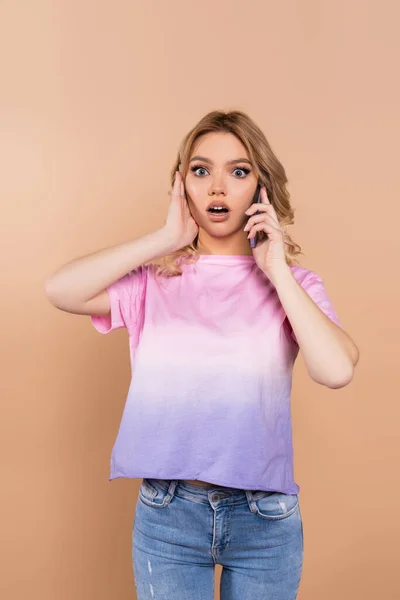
{"x":329,"y":353}
{"x":80,"y":285}
{"x":78,"y":281}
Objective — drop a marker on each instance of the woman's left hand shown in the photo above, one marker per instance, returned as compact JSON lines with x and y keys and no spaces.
{"x":269,"y":253}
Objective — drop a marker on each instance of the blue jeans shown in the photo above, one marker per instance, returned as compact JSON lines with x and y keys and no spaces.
{"x":181,"y":531}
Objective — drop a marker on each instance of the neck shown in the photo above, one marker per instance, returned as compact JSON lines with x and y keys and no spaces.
{"x":235,"y":243}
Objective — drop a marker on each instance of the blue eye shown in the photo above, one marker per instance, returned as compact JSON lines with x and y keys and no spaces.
{"x":198,"y":167}
{"x":246,"y":171}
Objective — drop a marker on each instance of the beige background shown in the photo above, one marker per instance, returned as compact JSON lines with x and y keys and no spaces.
{"x":95,"y":97}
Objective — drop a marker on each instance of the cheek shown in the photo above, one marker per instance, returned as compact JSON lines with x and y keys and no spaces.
{"x":195,"y":189}
{"x":244,"y":204}
{"x":196,"y":196}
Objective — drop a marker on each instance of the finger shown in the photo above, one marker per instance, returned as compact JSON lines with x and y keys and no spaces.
{"x":265,"y":201}
{"x":176,"y":186}
{"x":179,"y":183}
{"x":264,"y":209}
{"x":254,"y":207}
{"x":260,"y":207}
{"x":267,"y":227}
{"x":255,"y":219}
{"x":264,"y":196}
{"x":259,"y":219}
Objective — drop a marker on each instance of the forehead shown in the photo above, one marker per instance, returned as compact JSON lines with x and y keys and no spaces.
{"x":219,"y":147}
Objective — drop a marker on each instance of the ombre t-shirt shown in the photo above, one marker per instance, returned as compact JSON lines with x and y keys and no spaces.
{"x":212,"y":355}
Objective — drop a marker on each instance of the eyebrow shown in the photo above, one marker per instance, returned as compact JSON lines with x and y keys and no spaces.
{"x":229,"y":162}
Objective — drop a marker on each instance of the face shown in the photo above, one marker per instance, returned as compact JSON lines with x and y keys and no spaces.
{"x":222,"y":173}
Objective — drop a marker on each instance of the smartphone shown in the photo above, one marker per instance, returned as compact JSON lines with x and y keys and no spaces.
{"x":260,"y":234}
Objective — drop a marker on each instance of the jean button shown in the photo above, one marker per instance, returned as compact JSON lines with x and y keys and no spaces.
{"x":215,"y":498}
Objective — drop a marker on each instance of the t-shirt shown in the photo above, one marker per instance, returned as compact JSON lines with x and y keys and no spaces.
{"x":211,"y":354}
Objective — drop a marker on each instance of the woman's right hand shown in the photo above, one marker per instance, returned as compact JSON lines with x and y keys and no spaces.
{"x":180,"y":227}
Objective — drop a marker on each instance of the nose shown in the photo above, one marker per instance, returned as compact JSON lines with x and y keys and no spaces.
{"x":216,"y":188}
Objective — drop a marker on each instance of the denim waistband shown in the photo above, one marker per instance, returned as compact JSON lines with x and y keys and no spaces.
{"x":200,"y":491}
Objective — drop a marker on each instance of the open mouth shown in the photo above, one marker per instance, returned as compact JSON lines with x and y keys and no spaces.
{"x":218,"y":214}
{"x":218,"y":210}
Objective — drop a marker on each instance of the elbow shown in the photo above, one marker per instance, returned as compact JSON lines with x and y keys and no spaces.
{"x":334,"y":383}
{"x":53,"y":295}
{"x":47,"y":288}
{"x":355,"y":356}
{"x":339,"y":383}
{"x":338,"y":380}
{"x":49,"y":291}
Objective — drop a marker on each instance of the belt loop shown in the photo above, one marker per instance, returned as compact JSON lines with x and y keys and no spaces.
{"x":172,"y":486}
{"x":250,"y":500}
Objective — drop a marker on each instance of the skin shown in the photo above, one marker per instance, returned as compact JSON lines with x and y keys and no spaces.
{"x":220,"y":181}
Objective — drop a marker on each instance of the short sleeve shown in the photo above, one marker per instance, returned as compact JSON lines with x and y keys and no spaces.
{"x":127,"y":298}
{"x":315,"y":288}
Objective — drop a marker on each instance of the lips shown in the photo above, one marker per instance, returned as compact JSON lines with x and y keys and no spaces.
{"x":219,"y":204}
{"x":216,"y":217}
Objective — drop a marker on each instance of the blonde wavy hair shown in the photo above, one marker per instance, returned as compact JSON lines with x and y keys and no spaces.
{"x":268,"y":169}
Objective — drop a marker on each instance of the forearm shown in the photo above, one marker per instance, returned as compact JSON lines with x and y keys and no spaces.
{"x":83,"y":278}
{"x":329,"y":353}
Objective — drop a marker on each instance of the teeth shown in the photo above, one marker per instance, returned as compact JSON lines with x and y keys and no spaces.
{"x":217,"y":207}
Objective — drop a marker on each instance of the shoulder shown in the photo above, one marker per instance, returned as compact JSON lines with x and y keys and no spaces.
{"x":304,"y":275}
{"x":132,"y":283}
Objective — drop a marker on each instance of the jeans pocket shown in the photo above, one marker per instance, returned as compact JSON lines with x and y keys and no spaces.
{"x":155,"y":494}
{"x":274,"y":505}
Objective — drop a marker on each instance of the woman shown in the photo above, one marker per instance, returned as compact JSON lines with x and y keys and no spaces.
{"x":214,"y":329}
